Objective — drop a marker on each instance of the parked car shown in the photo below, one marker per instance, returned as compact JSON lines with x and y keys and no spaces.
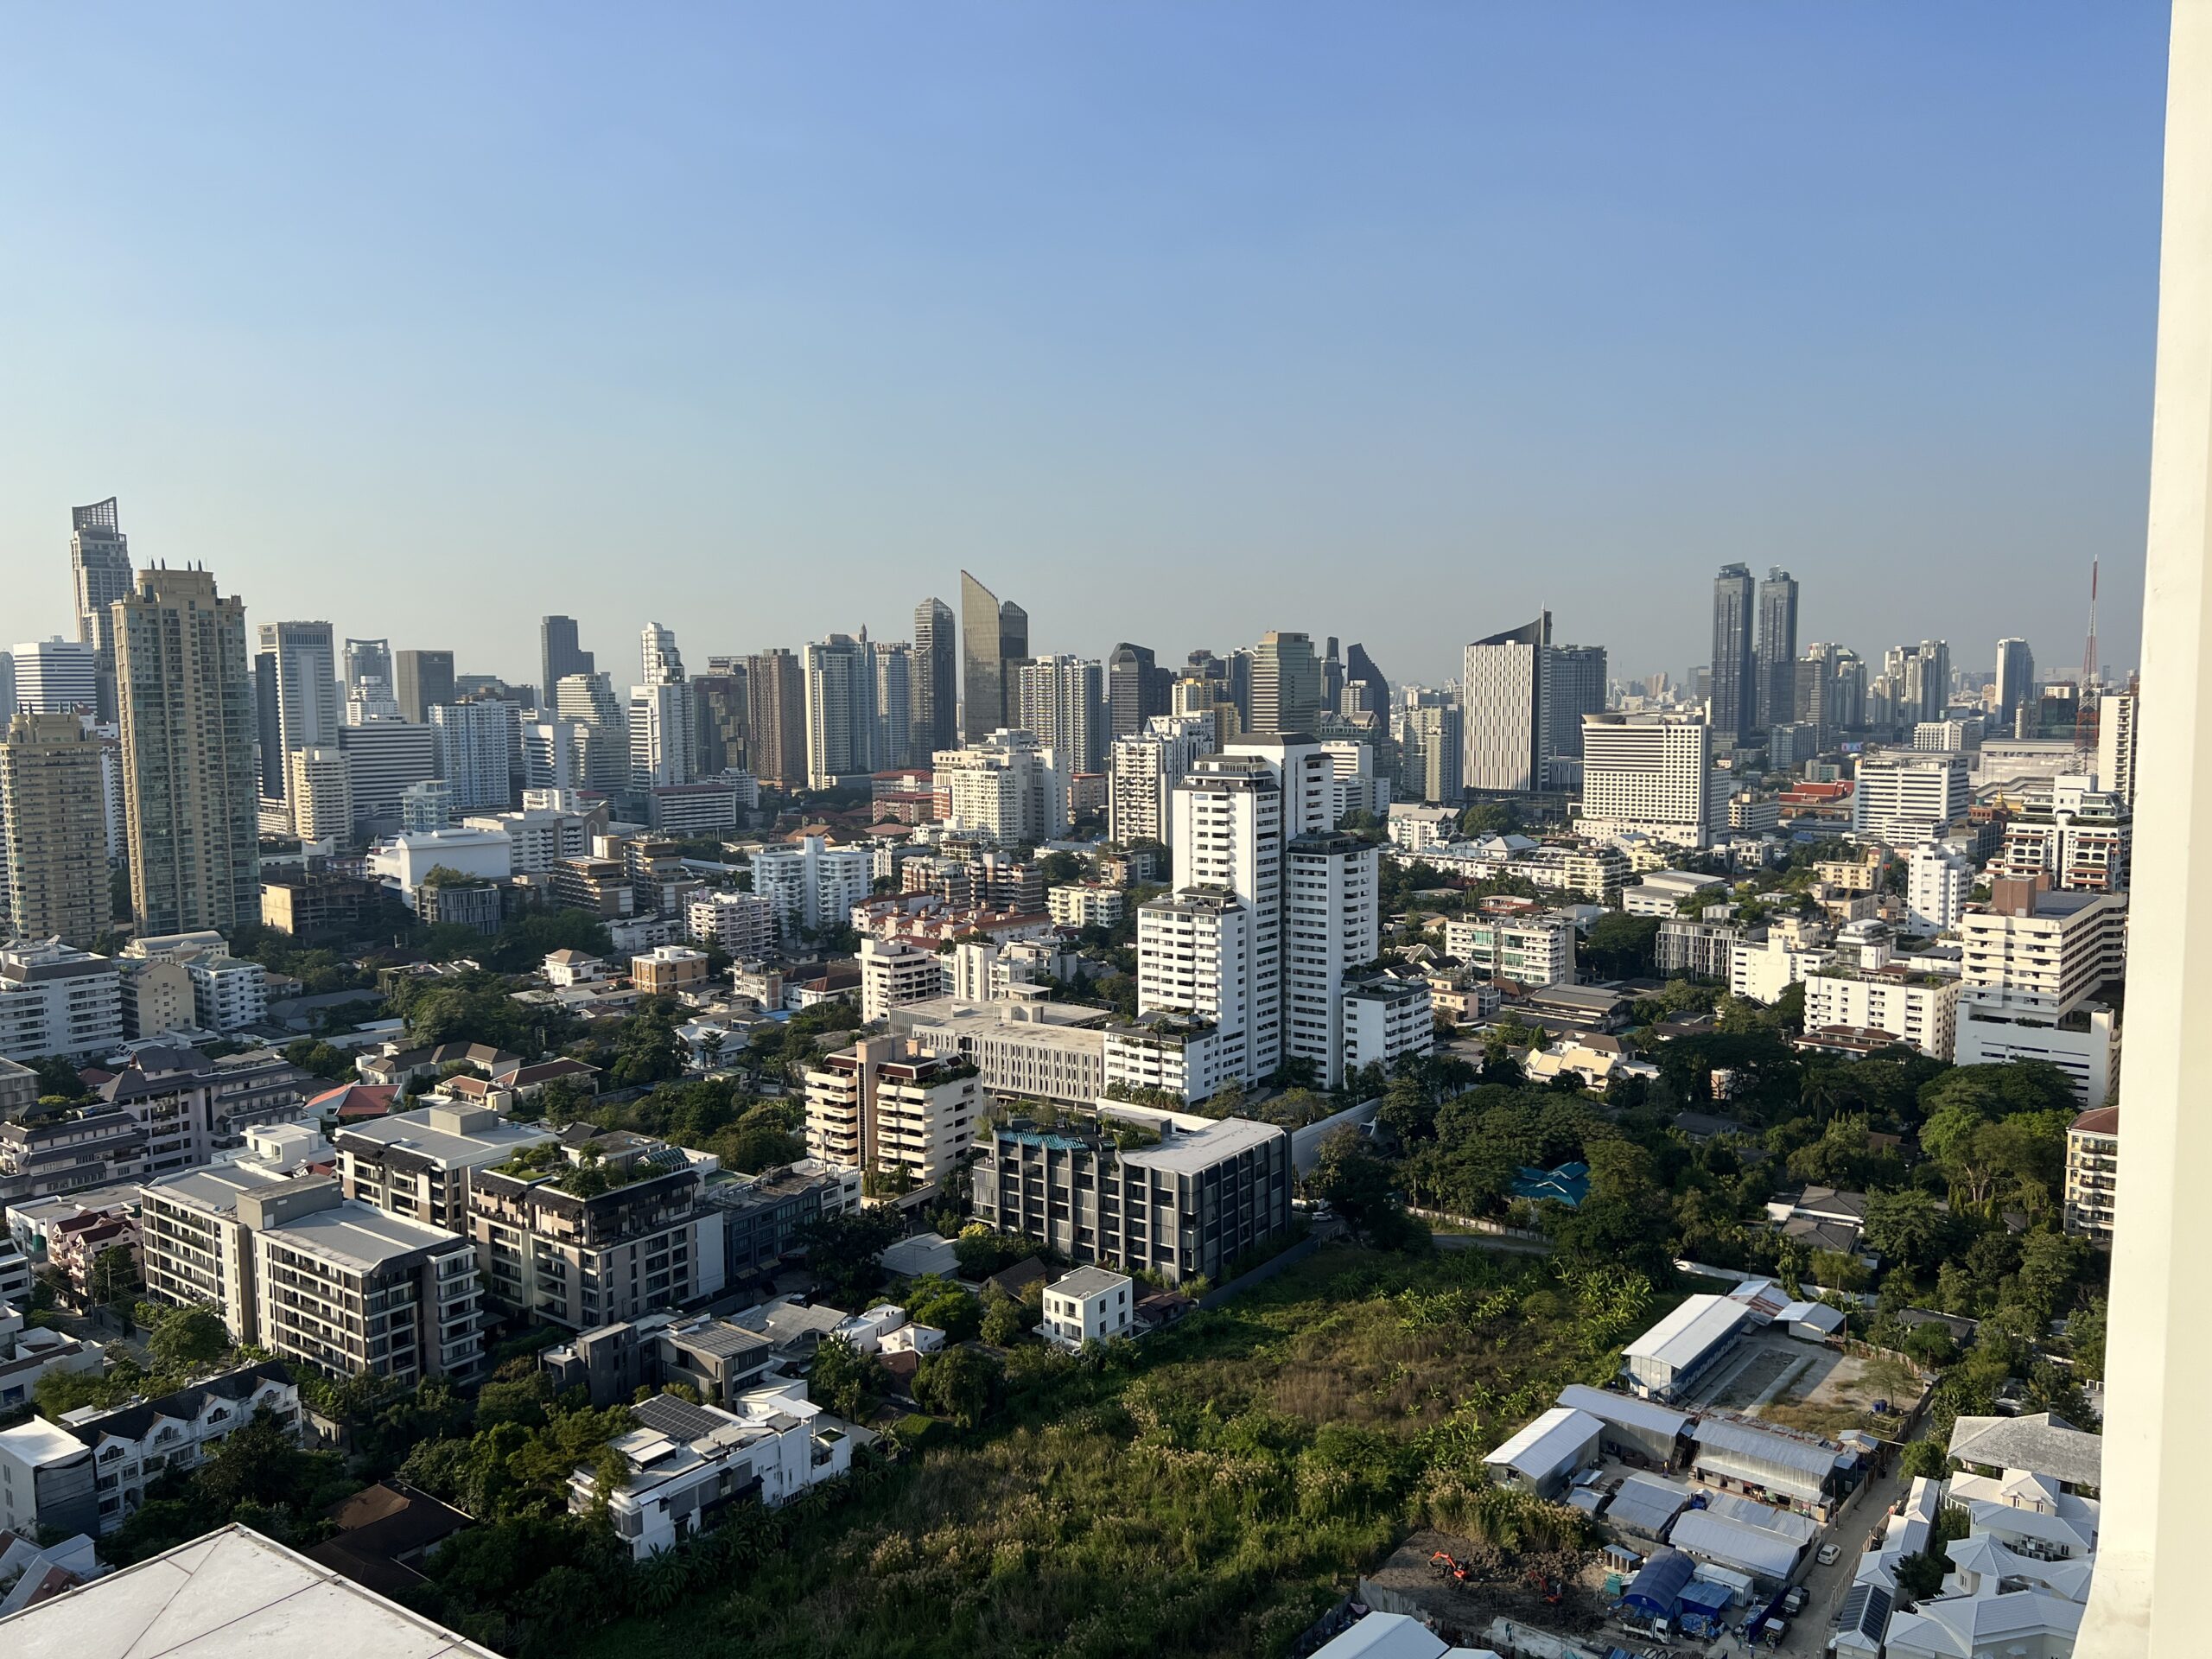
{"x":1828,"y":1555}
{"x":1794,"y":1603}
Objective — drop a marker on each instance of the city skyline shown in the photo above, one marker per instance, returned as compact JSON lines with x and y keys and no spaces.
{"x":1454,"y":321}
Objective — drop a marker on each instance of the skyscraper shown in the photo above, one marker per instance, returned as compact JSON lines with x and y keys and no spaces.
{"x":99,"y":564}
{"x":1286,"y":684}
{"x":1578,"y":688}
{"x":1059,"y":699}
{"x":891,"y":689}
{"x":559,"y":656}
{"x":1332,"y":680}
{"x":839,"y":710}
{"x":718,"y":720}
{"x":421,"y":679}
{"x":368,"y":663}
{"x":2016,"y":681}
{"x":57,"y":676}
{"x":296,"y":688}
{"x":1777,"y":648}
{"x":186,"y":715}
{"x":661,"y":662}
{"x":474,"y":741}
{"x":1136,"y":687}
{"x":1360,"y":669}
{"x":936,"y":677}
{"x":1505,"y":698}
{"x":52,"y":830}
{"x":775,"y":718}
{"x":994,"y":636}
{"x":1735,"y":659}
{"x":1649,"y":775}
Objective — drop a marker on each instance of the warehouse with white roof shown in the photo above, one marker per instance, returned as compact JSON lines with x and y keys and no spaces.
{"x":1680,"y":1352}
{"x":1545,"y":1456}
{"x":1633,"y":1428}
{"x":1778,"y":1464}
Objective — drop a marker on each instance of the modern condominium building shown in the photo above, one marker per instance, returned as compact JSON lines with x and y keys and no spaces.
{"x":1005,"y":785}
{"x":473,"y":756}
{"x":296,"y":694}
{"x":189,"y":793}
{"x":417,"y":1165}
{"x":53,"y":868}
{"x":887,"y":1107}
{"x":1141,"y":772}
{"x":1505,"y":708}
{"x":812,"y":885}
{"x":99,"y":566}
{"x":1528,"y":950}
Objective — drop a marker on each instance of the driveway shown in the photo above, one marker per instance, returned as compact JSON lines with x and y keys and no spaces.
{"x":1826,"y":1586}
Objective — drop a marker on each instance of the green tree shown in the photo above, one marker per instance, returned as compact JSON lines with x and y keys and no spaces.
{"x":1357,"y":1185}
{"x":185,"y":1339}
{"x":1924,"y":1459}
{"x":1619,"y":945}
{"x":939,"y":1302}
{"x":959,"y":1383}
{"x":1004,"y":1322}
{"x":846,"y":1380}
{"x":1908,"y":1229}
{"x":113,"y":1279}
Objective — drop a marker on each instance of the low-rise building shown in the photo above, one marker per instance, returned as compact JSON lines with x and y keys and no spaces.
{"x":1765,"y":963}
{"x":720,"y":1358}
{"x":894,"y":974}
{"x":1528,"y":950}
{"x":1086,"y":904}
{"x":743,"y":924}
{"x":669,"y":970}
{"x":1674,"y":1356}
{"x":133,"y":1446}
{"x":1022,"y":1049}
{"x":1189,"y":1205}
{"x":761,"y":1215}
{"x":1547,"y":1452}
{"x":1090,"y":1305}
{"x":1661,"y":892}
{"x":684,"y":1462}
{"x":1703,"y":949}
{"x":1387,"y":1019}
{"x":58,"y":1000}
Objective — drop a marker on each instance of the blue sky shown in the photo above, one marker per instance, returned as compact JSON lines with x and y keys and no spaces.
{"x":1388,"y":321}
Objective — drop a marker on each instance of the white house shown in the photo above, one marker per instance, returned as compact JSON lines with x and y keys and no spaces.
{"x":1090,"y":1305}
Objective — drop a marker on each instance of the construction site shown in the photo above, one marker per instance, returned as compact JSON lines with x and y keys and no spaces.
{"x":1460,"y":1586}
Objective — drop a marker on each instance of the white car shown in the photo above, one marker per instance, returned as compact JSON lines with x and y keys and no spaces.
{"x":1828,"y":1555}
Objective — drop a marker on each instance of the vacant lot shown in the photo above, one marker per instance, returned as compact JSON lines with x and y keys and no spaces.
{"x":1215,"y":1495}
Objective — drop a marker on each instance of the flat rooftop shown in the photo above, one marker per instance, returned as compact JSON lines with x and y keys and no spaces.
{"x":360,"y":1234}
{"x":1187,"y":1152}
{"x":217,"y":1188}
{"x":414,"y":1132}
{"x":233,"y":1592}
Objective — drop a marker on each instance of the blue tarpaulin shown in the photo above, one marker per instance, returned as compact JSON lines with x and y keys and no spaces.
{"x":1658,"y":1588}
{"x":1704,"y":1597}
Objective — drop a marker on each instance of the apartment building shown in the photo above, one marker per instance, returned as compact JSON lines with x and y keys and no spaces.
{"x":228,"y":992}
{"x":1768,"y":962}
{"x":669,"y":970}
{"x":1386,"y":1019}
{"x":1331,"y":929}
{"x":1849,"y":1009}
{"x":594,"y":1229}
{"x":742,"y":925}
{"x":537,"y":839}
{"x":1190,"y":1206}
{"x":1090,"y":1305}
{"x":1938,"y":879}
{"x":1019,"y":1049}
{"x":1701,"y":949}
{"x":812,"y":885}
{"x":894,"y":974}
{"x":1007,"y":787}
{"x":1649,"y":775}
{"x":887,"y":1105}
{"x":2037,"y":966}
{"x":1901,"y":799}
{"x":1181,"y":1054}
{"x":416,"y":1164}
{"x":297,"y":1267}
{"x":2092,"y":1174}
{"x":57,"y":999}
{"x":1528,"y":950}
{"x":1143,"y":770}
{"x":2079,"y":838}
{"x":53,"y":863}
{"x":1085,"y":903}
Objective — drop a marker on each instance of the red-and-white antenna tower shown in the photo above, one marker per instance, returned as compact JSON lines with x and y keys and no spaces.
{"x":2085,"y":706}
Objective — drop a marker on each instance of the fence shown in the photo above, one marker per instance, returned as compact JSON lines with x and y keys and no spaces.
{"x":1259,"y":1275}
{"x":1478,"y":1224}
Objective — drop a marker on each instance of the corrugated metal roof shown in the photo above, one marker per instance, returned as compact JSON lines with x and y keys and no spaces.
{"x":1625,"y":1409}
{"x":1734,"y":1543}
{"x":1550,"y":1440}
{"x":1765,"y":1445}
{"x":1646,"y":1504}
{"x":1690,"y":1332}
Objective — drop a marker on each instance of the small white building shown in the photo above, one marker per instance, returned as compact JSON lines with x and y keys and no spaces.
{"x":1661,"y":892}
{"x":1090,"y":1305}
{"x":1675,"y":1354}
{"x":1085,"y":903}
{"x":742,"y":923}
{"x":686,"y":1460}
{"x":1548,"y":1454}
{"x":1386,"y":1019}
{"x":228,"y":994}
{"x":566,"y":968}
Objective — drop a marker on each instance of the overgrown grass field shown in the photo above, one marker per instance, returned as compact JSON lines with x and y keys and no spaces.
{"x":1213,"y":1494}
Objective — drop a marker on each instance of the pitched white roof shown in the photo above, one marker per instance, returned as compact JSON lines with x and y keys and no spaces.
{"x":1688,"y":1333}
{"x":232,"y":1594}
{"x":1543,"y":1445}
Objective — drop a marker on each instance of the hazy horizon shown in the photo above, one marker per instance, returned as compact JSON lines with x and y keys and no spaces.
{"x":1171,"y":324}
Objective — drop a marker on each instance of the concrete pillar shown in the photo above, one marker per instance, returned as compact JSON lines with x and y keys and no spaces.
{"x":2147,"y":1601}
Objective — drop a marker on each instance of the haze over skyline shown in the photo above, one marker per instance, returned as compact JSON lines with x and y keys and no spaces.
{"x":764,"y":325}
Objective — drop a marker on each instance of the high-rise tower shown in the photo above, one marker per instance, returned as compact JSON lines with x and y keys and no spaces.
{"x":936,"y":678}
{"x":188,"y":785}
{"x":1735,"y":658}
{"x":994,"y":636}
{"x":99,"y":565}
{"x":1777,"y":648}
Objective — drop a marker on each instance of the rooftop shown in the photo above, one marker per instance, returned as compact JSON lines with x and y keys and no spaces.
{"x":2042,"y":1443}
{"x":355,"y":1234}
{"x":438,"y":1133}
{"x":1086,"y":1282}
{"x":1690,"y":1330}
{"x":1543,"y":1445}
{"x":1190,"y":1152}
{"x":232,"y":1594}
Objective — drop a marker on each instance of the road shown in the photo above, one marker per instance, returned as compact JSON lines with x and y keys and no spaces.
{"x":1826,"y":1586}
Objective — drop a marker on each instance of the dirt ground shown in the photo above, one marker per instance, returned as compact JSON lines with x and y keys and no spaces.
{"x":1814,"y":1388}
{"x":1497,"y":1584}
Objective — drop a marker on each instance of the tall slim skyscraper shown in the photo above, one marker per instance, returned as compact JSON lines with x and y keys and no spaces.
{"x":424,"y":678}
{"x":1777,"y":648}
{"x":52,"y":830}
{"x":1505,"y":703}
{"x":1059,"y":700}
{"x":559,"y":656}
{"x":1136,"y":687}
{"x":473,"y":742}
{"x":936,"y":679}
{"x":1735,"y":659}
{"x":189,"y":797}
{"x":839,"y":710}
{"x":1332,"y":680}
{"x":296,"y":686}
{"x":99,"y":565}
{"x":775,"y":718}
{"x":994,"y":636}
{"x":718,"y":720}
{"x":2016,"y":681}
{"x":1578,"y":688}
{"x":890,"y":688}
{"x":662,"y":663}
{"x":1286,"y":684}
